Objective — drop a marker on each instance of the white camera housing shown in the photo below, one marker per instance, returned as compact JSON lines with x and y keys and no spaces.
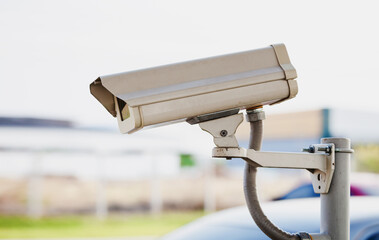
{"x":178,"y":91}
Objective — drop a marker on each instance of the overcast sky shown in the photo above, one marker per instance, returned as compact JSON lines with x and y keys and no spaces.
{"x":50,"y":51}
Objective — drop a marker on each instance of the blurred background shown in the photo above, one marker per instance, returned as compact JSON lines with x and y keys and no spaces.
{"x":66,"y":171}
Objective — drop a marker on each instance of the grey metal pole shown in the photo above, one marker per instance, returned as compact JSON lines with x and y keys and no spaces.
{"x":335,"y":219}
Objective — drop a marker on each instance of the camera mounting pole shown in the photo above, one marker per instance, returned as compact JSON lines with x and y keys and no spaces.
{"x":326,"y":161}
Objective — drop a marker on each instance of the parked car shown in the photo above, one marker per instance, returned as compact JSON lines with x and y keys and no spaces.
{"x":306,"y":191}
{"x":291,"y":215}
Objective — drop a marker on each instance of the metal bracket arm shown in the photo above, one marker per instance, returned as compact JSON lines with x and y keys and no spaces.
{"x":321,"y":164}
{"x":319,"y":161}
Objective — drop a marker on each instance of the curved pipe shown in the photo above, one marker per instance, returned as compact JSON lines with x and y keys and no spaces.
{"x":251,"y":196}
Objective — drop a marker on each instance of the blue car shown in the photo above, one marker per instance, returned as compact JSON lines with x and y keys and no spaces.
{"x":295,"y":215}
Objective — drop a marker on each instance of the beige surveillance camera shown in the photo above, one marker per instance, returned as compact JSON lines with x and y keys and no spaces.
{"x":184,"y":90}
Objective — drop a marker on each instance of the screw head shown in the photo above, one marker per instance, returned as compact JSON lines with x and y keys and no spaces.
{"x":223,"y":133}
{"x":311,"y":149}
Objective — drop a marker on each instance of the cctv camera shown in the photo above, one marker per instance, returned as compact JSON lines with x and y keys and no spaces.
{"x":179,"y":91}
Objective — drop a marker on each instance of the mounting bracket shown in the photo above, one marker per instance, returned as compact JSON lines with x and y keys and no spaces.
{"x":320,"y":159}
{"x":321,"y":165}
{"x":223,"y":130}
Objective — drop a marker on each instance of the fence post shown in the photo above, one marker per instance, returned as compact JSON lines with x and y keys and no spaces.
{"x":209,"y":194}
{"x":101,"y":194}
{"x":35,"y":180}
{"x":155,"y":186}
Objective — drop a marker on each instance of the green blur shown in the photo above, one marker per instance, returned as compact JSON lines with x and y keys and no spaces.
{"x":87,"y":227}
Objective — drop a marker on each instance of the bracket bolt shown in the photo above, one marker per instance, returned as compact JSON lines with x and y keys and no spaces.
{"x":311,"y":149}
{"x":223,"y":133}
{"x":326,"y":149}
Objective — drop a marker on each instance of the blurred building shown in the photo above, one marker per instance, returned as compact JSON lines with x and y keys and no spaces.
{"x":83,"y":152}
{"x":292,"y":131}
{"x":69,"y":150}
{"x":55,"y":163}
{"x":54,"y":166}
